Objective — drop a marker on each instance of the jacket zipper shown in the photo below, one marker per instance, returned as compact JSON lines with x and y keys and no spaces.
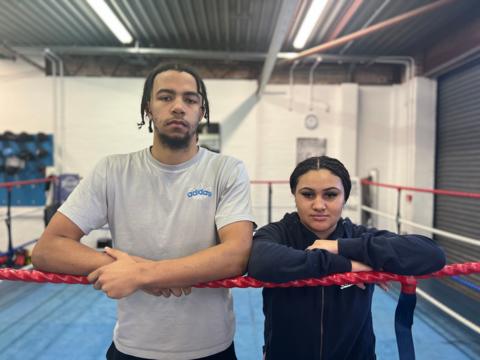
{"x":321,"y":323}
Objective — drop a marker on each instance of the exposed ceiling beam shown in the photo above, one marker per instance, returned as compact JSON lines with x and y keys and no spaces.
{"x":285,"y":17}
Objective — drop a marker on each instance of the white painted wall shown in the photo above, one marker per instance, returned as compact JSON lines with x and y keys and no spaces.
{"x":397,"y":137}
{"x":365,"y":126}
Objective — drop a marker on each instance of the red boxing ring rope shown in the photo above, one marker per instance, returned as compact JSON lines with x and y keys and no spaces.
{"x":12,"y":184}
{"x":408,"y":282}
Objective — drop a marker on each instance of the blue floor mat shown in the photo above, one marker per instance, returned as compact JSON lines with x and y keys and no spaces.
{"x":56,"y":321}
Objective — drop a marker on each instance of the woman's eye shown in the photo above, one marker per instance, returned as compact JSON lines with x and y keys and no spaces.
{"x":308,"y":195}
{"x":331,"y":195}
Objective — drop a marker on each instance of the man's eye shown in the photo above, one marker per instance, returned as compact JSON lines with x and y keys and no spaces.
{"x":191,"y":101}
{"x":165,"y":98}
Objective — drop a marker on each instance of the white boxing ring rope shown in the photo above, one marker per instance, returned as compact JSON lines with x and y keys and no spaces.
{"x":461,"y":238}
{"x":420,"y":292}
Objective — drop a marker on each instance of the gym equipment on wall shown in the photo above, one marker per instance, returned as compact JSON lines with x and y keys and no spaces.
{"x":209,"y":136}
{"x":62,"y":188}
{"x":24,"y":157}
{"x":23,"y":161}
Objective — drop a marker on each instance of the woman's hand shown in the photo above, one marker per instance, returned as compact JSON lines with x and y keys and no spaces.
{"x":329,"y":245}
{"x":332,"y":247}
{"x":358,"y":266}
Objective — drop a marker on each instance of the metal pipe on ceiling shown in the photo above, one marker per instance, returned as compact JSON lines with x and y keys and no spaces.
{"x":329,"y":17}
{"x":318,"y":60}
{"x":290,"y":80}
{"x":58,"y":107}
{"x":351,"y":11}
{"x":180,"y":53}
{"x":367,"y":23}
{"x":372,"y":29}
{"x":21,"y":56}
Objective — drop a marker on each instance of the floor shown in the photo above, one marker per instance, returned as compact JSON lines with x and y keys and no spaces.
{"x":57,"y":321}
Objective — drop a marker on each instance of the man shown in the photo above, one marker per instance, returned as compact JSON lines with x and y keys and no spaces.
{"x":179,"y":215}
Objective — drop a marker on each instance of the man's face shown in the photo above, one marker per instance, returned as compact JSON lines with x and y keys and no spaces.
{"x":176,"y":108}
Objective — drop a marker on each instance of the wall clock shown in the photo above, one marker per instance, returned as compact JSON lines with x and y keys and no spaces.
{"x":311,"y":121}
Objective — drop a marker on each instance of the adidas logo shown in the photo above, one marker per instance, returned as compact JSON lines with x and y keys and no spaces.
{"x":199,"y":192}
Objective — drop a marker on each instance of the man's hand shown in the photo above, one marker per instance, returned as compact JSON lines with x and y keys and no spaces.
{"x":177,"y":292}
{"x":329,"y":245}
{"x":108,"y":278}
{"x":118,"y":279}
{"x":356,"y":267}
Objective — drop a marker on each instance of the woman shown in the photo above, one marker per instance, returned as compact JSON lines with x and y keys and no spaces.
{"x":329,"y":322}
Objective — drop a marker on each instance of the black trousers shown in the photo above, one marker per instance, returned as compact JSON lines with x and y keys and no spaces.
{"x":228,"y":354}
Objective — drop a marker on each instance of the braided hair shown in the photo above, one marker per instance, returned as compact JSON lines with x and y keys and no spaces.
{"x":318,"y":163}
{"x":148,"y":87}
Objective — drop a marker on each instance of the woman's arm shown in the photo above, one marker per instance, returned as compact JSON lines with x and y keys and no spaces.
{"x":271,"y":260}
{"x":387,"y":251}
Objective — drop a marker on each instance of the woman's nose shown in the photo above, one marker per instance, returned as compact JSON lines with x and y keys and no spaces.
{"x":319,"y":203}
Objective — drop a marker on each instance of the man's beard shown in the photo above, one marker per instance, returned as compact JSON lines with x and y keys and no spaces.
{"x":175,"y":142}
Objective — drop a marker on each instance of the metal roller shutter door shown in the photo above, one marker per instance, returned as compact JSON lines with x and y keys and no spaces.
{"x":458,"y":168}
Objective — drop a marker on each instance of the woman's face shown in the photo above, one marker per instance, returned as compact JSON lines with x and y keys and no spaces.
{"x":319,"y":198}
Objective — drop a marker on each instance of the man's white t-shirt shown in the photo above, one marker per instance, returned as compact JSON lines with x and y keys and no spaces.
{"x":160,"y":211}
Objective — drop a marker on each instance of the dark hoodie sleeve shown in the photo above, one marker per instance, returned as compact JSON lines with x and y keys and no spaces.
{"x":272,"y":260}
{"x":387,"y":251}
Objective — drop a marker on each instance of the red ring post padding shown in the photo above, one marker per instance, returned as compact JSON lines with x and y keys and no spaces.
{"x":246,"y":281}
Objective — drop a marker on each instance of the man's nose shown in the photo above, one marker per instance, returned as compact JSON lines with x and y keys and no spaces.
{"x":178,"y":106}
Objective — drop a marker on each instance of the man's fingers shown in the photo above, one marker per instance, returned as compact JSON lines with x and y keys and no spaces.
{"x":361,"y":286}
{"x":115,"y":253}
{"x":155,"y":292}
{"x":97,"y":285}
{"x":176,"y":291}
{"x":187,"y":291}
{"x":384,"y":285}
{"x":93,"y":276}
{"x":166,"y":292}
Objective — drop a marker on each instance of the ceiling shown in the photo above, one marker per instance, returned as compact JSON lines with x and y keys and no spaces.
{"x":227,"y":38}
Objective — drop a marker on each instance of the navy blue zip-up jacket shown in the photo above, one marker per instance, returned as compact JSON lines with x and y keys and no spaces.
{"x":328,"y":322}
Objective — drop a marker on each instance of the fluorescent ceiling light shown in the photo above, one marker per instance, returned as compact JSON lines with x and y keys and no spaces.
{"x":111,"y":20}
{"x":313,"y":14}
